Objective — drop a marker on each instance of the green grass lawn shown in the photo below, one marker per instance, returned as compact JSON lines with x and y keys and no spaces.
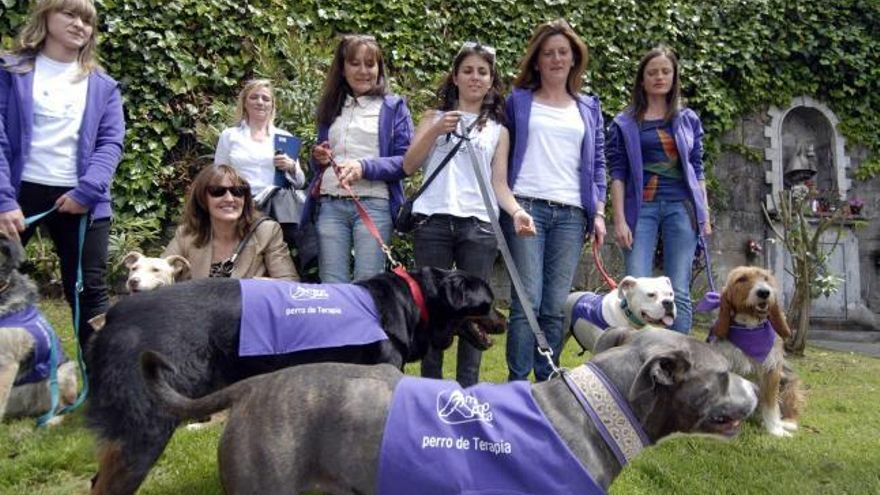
{"x":836,"y":451}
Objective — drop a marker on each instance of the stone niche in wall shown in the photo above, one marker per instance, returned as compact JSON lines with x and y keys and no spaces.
{"x":805,"y":136}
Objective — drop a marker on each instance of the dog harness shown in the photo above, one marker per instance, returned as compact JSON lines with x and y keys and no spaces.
{"x":589,"y":307}
{"x":441,"y":439}
{"x":44,"y":337}
{"x":278,"y":317}
{"x":754,"y":342}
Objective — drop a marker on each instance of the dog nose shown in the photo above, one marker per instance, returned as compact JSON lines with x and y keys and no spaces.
{"x":134,"y":282}
{"x":763,"y":293}
{"x":668,"y":305}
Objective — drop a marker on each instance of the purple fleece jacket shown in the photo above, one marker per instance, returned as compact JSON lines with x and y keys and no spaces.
{"x":101,"y":138}
{"x":625,"y":160}
{"x":592,"y":169}
{"x":395,"y":134}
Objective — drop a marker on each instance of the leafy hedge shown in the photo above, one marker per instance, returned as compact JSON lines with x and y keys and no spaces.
{"x":181,"y":63}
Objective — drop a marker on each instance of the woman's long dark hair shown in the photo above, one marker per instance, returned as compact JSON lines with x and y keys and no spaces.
{"x":493,"y":103}
{"x":639,"y":100}
{"x":336,"y":88}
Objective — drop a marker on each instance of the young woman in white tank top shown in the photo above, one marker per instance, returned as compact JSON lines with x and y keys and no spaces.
{"x":453,"y":229}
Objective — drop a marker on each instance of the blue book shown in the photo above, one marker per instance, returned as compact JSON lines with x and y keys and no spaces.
{"x":288,"y":145}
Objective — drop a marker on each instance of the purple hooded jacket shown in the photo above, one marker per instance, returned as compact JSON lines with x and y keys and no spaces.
{"x":101,"y":138}
{"x":592,"y":169}
{"x":625,"y":160}
{"x":395,"y":134}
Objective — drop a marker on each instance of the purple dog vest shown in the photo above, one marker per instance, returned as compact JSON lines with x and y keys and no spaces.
{"x":589,"y":307}
{"x":278,"y":317}
{"x":755,"y":343}
{"x":488,"y":439}
{"x":44,"y":337}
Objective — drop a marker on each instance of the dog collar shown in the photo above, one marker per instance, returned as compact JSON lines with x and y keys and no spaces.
{"x":635,"y":320}
{"x":610,"y":413}
{"x":416,"y":292}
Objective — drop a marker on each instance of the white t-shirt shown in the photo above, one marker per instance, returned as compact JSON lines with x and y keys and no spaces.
{"x":552,"y":161}
{"x":455,"y":191}
{"x":252,"y":159}
{"x":59,"y":103}
{"x":354,"y":135}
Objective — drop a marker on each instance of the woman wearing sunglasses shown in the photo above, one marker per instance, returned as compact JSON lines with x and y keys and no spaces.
{"x":366,"y":131}
{"x":220,"y":220}
{"x":557,"y":173}
{"x":452,"y":226}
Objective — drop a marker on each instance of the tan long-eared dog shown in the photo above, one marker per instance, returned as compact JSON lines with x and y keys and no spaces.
{"x":749,"y":301}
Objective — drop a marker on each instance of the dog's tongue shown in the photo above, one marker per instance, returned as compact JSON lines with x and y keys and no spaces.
{"x":667,"y":320}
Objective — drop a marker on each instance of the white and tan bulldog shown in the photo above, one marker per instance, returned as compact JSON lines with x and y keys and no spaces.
{"x":638,"y":302}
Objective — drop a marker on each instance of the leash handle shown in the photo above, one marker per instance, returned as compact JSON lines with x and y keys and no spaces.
{"x":365,"y":217}
{"x":597,"y":258}
{"x":39,"y":216}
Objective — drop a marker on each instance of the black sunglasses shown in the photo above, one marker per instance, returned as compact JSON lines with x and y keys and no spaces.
{"x":220,"y":191}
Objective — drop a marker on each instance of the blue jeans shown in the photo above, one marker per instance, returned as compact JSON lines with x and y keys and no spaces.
{"x":340,"y":230}
{"x":547,"y":264}
{"x":674,"y":220}
{"x":443,"y":241}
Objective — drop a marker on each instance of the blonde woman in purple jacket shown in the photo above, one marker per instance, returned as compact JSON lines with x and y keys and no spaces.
{"x":61,"y":138}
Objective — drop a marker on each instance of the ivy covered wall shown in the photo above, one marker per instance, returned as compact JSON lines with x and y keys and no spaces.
{"x":181,"y":63}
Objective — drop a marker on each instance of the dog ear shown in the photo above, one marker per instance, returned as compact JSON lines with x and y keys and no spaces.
{"x":131,"y":258}
{"x":625,"y":286}
{"x":12,"y":252}
{"x":777,"y":319}
{"x":181,"y":266}
{"x":725,"y":313}
{"x":665,"y":370}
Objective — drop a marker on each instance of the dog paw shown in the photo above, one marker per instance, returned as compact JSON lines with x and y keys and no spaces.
{"x":789,"y":425}
{"x":778,"y":431}
{"x":198,"y":426}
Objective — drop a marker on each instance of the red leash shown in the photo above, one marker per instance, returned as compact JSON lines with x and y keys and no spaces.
{"x":597,"y":258}
{"x":396,"y":267}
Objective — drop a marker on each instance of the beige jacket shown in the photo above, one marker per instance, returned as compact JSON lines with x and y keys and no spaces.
{"x":265,"y":254}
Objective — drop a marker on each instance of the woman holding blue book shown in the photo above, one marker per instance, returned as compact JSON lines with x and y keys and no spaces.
{"x":265,"y":156}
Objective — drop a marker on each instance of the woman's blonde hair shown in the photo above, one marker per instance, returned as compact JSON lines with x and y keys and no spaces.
{"x":250,"y":87}
{"x":530,"y":78}
{"x":32,"y":37}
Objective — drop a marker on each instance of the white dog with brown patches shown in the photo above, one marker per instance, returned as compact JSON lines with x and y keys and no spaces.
{"x":146,"y":273}
{"x":750,"y":332}
{"x":637,"y":303}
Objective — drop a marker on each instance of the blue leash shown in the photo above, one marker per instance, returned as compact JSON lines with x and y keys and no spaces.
{"x":54,"y":352}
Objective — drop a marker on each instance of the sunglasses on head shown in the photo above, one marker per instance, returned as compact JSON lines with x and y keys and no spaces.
{"x":478,"y":47}
{"x":220,"y":191}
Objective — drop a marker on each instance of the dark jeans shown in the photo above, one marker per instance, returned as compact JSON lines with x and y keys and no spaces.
{"x":469,"y":244}
{"x":64,"y":231}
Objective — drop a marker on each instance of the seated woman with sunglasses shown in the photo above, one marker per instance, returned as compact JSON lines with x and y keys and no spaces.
{"x":223,"y":234}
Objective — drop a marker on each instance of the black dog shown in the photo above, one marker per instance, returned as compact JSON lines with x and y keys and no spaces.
{"x":196,"y":326}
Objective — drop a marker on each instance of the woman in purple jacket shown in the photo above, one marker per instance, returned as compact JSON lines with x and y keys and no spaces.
{"x":557,"y":174}
{"x":655,"y":153}
{"x":61,"y":135}
{"x":367,"y":131}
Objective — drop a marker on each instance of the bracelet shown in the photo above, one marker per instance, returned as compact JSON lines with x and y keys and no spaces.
{"x":600,"y":213}
{"x":517,"y":211}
